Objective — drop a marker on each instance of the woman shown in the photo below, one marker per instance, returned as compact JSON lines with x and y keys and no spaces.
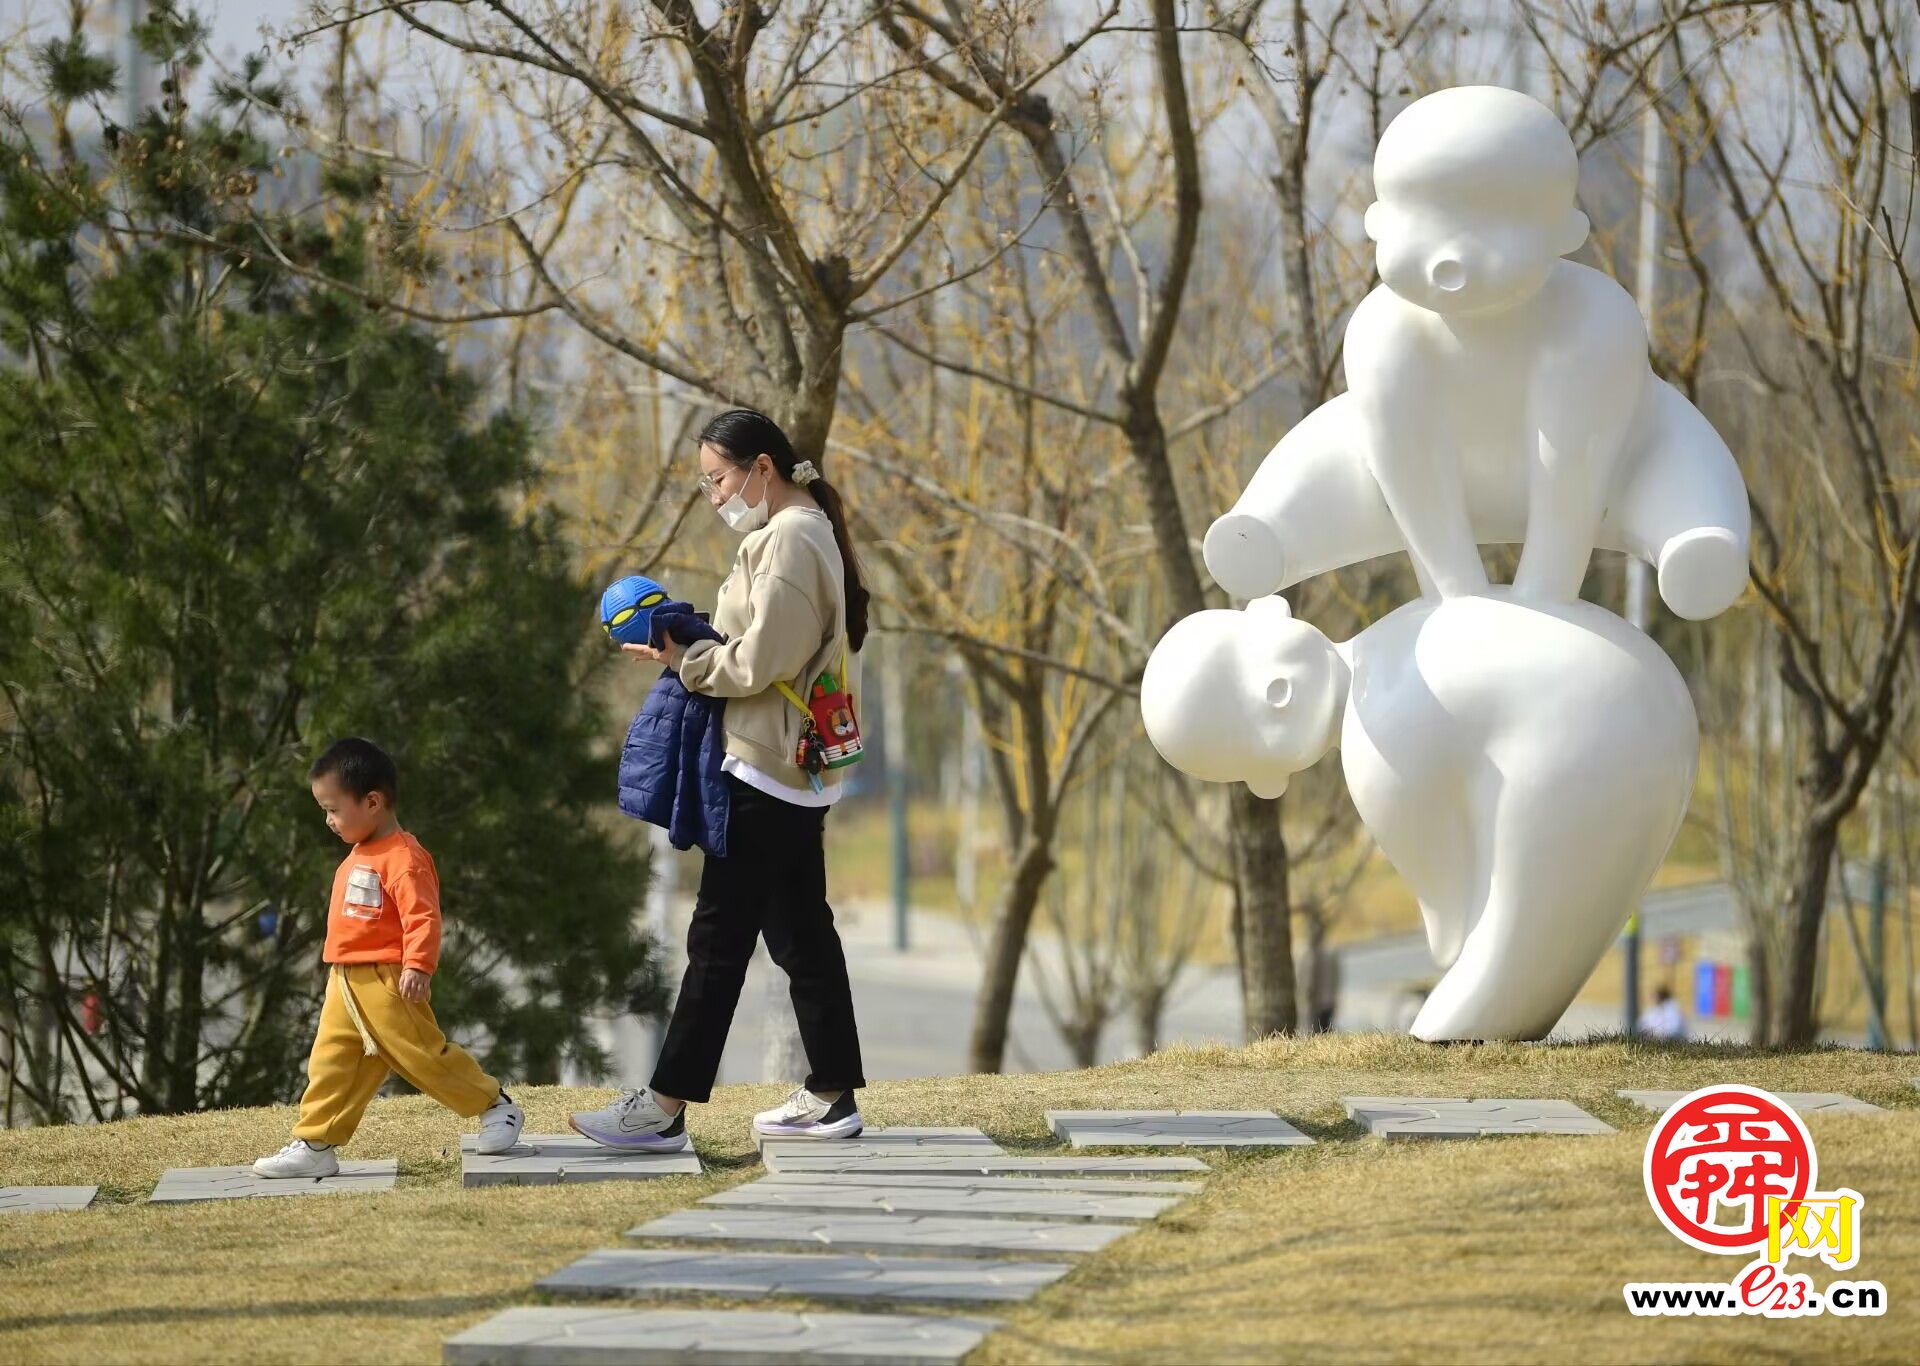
{"x":791,"y":609}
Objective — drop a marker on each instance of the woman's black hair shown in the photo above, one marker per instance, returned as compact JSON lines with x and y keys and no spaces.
{"x":743,"y":436}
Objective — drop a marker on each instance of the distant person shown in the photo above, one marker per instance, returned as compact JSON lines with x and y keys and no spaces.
{"x":383,"y":944}
{"x":792,"y":610}
{"x":1663,"y":1019}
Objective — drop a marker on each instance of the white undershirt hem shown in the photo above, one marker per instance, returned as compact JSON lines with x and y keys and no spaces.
{"x":773,"y":787}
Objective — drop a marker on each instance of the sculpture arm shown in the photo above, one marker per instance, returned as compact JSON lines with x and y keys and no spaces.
{"x":1312,"y":506}
{"x":1682,"y":506}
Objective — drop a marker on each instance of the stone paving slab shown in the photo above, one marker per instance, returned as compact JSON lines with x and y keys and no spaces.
{"x":42,"y":1199}
{"x":549,"y":1159}
{"x":180,"y":1185}
{"x":1802,"y":1103}
{"x":777,"y":1229}
{"x":1174,"y":1129}
{"x":1119,"y":1185}
{"x":1401,"y":1117}
{"x":837,"y":1159}
{"x":644,"y":1337}
{"x":832,"y":1197}
{"x":890,"y":1143}
{"x":816,"y":1275}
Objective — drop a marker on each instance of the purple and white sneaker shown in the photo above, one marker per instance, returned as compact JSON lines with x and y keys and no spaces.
{"x":635,"y":1122}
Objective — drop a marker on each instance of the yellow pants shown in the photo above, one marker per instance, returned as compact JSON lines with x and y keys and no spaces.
{"x":342,"y":1076}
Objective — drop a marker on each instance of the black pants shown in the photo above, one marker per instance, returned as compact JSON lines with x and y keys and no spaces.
{"x":773,"y":882}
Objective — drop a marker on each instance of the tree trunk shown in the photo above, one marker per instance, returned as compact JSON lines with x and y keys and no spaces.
{"x":994,"y":1005}
{"x":1793,"y":1022}
{"x":1148,"y":1005}
{"x":1303,"y":310}
{"x":1083,"y":1041}
{"x":1307,"y":988}
{"x":1759,"y":988}
{"x":183,"y":1089}
{"x":1267,"y":987}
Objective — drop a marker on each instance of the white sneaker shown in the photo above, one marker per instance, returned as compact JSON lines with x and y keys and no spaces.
{"x":805,"y":1115}
{"x":500,"y":1126}
{"x":302,"y":1159}
{"x":635,"y":1120}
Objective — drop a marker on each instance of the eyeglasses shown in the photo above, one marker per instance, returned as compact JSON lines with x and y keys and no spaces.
{"x":710,"y":484}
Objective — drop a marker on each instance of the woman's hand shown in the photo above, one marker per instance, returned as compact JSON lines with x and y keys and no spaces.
{"x":669,"y":654}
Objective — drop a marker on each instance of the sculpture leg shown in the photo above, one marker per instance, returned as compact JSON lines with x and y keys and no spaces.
{"x":1418,"y":818}
{"x":1567,"y":864}
{"x":1565,"y":498}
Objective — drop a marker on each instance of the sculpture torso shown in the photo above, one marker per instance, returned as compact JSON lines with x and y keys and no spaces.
{"x":1505,"y":413}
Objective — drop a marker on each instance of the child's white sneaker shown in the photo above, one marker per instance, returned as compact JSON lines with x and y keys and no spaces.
{"x":635,"y":1120}
{"x":302,"y":1159}
{"x":500,"y":1125}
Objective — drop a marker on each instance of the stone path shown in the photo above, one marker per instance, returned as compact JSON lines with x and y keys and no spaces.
{"x":548,"y":1159}
{"x":646,"y":1271}
{"x":949,"y":1234}
{"x":898,"y":1142}
{"x":1174,"y":1129}
{"x":1122,"y":1185}
{"x":828,"y":1196}
{"x":895,"y":1218}
{"x":42,"y":1199}
{"x":579,"y":1337}
{"x":1800,"y":1102}
{"x":180,"y":1185}
{"x":822,"y":1159}
{"x":1402,"y":1117}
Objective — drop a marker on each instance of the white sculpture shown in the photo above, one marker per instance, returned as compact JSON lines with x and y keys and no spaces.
{"x":1523,"y":758}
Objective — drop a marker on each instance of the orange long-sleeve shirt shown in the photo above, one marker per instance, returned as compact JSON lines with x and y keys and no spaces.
{"x":386,"y":905}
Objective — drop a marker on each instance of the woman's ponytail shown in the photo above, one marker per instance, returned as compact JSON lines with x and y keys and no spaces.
{"x":743,"y":436}
{"x":828,"y":497}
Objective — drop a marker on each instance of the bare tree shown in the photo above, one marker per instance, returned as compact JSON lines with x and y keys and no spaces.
{"x":775,"y":151}
{"x":1837,"y":525}
{"x":967,"y":52}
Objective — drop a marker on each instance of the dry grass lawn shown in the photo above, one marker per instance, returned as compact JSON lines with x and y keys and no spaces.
{"x":1353,"y":1250}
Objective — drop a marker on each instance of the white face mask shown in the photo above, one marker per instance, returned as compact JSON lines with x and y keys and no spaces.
{"x":736,"y":513}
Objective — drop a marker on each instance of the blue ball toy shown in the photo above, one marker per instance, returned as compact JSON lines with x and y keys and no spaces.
{"x":626,"y":610}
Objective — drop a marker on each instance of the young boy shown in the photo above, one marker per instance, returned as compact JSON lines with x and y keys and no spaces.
{"x":383,"y":942}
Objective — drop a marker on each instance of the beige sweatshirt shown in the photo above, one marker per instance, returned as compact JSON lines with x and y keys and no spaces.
{"x":783,"y":610}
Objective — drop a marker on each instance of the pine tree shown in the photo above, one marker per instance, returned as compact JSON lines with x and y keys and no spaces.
{"x":240,"y":516}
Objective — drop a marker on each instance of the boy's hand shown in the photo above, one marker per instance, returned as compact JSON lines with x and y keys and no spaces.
{"x":414,"y":984}
{"x":668,"y":654}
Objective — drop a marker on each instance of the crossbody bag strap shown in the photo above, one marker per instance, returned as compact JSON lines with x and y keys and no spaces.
{"x":787,"y":691}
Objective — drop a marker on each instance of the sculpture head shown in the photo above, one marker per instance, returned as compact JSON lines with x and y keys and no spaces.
{"x":1475,"y":203}
{"x":1251,"y":696}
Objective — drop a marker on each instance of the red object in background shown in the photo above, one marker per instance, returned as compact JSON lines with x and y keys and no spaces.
{"x":90,"y":1017}
{"x":1722,"y":989}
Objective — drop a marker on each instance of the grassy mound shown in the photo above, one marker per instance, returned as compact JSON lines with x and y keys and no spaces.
{"x":1508,"y":1249}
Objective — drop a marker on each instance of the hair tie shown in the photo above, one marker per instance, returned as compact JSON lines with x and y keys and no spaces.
{"x":804,"y":473}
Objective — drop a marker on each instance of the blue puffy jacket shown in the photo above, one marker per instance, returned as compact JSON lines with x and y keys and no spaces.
{"x":670,"y":767}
